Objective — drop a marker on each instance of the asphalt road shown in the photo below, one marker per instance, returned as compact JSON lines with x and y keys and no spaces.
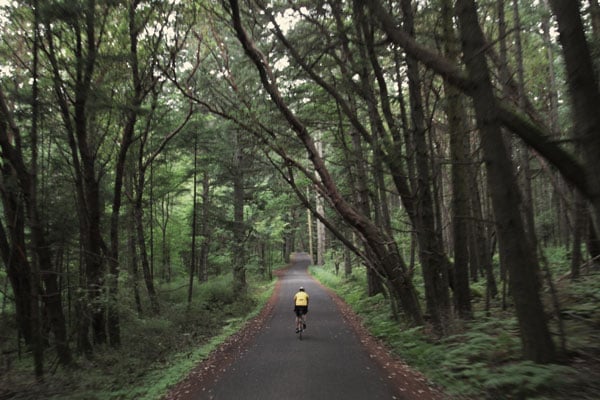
{"x":329,"y":363}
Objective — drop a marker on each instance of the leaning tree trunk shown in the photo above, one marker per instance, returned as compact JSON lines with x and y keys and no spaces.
{"x":585,"y":94}
{"x":516,"y":252}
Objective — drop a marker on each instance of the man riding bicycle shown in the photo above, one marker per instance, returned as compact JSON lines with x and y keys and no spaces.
{"x":300,"y":308}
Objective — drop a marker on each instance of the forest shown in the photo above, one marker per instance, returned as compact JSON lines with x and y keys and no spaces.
{"x":438,"y":159}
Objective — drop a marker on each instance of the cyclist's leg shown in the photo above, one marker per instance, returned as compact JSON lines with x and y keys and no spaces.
{"x":304,"y":318}
{"x":298,"y":319}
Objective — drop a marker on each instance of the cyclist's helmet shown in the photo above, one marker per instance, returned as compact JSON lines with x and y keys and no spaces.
{"x":301,"y":288}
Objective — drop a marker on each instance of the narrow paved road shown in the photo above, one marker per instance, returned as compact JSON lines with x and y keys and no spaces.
{"x":329,"y":364}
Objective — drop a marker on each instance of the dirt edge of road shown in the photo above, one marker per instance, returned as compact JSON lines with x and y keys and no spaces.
{"x":410,"y":384}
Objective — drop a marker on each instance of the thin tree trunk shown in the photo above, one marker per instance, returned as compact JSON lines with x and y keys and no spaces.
{"x":194,"y":213}
{"x":321,"y":246}
{"x":347,"y":262}
{"x":138,"y":213}
{"x":38,"y":263}
{"x":133,"y":253}
{"x":579,"y":227}
{"x":526,"y":176}
{"x":206,"y":231}
{"x":239,"y":228}
{"x":141,"y":243}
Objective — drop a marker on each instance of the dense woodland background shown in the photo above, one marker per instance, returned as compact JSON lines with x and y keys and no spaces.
{"x":160,"y":158}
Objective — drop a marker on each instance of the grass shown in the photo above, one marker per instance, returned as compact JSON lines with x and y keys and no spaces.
{"x":156,"y":352}
{"x":481,"y":358}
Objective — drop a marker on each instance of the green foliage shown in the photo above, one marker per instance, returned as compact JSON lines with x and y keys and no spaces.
{"x":558,"y":258}
{"x":218,"y":292}
{"x":483,"y":359}
{"x":156,"y":351}
{"x":524,"y":379}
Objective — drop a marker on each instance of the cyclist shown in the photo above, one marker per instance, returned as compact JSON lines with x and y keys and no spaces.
{"x":300,"y":308}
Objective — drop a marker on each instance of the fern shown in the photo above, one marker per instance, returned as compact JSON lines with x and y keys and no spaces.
{"x":526,"y":377}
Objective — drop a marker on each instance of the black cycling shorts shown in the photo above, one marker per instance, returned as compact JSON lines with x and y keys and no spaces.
{"x":300,"y":310}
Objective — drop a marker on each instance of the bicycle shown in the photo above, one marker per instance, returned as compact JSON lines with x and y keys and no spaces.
{"x":300,"y":326}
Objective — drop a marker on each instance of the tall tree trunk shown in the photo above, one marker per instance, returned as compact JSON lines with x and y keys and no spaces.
{"x":459,"y":152}
{"x":31,"y":197}
{"x":165,"y":214}
{"x":347,"y":262}
{"x":73,"y":102}
{"x":205,"y":229}
{"x":16,"y":263}
{"x":192,"y":267}
{"x":585,"y":95}
{"x":516,"y":250}
{"x":374,"y":285}
{"x":579,"y":228}
{"x":552,"y":106}
{"x":143,"y":252}
{"x":138,"y":213}
{"x":321,"y":245}
{"x":113,"y":322}
{"x":42,"y":281}
{"x":309,"y":228}
{"x":433,"y":261}
{"x":239,"y":228}
{"x":526,"y":176}
{"x":132,"y":248}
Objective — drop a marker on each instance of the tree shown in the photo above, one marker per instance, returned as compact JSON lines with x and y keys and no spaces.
{"x":516,"y":250}
{"x":459,"y":151}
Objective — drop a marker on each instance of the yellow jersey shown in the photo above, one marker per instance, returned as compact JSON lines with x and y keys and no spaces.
{"x":301,"y":299}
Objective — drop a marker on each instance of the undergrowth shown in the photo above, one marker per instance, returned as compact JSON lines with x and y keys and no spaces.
{"x":156,"y":351}
{"x":481,"y":359}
